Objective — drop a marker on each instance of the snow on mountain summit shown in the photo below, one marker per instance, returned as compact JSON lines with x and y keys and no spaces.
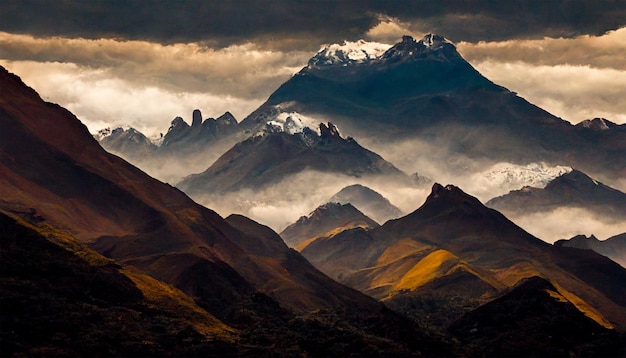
{"x":349,"y":52}
{"x":361,"y":52}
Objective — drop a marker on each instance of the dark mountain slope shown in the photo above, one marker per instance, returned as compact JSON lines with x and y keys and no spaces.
{"x":614,"y":247}
{"x":61,"y":298}
{"x":543,"y":322}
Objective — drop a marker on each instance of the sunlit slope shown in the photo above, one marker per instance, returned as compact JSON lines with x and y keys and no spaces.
{"x":535,"y":318}
{"x":52,"y":283}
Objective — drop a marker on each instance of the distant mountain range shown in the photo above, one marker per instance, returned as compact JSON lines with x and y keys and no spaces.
{"x":413,"y":90}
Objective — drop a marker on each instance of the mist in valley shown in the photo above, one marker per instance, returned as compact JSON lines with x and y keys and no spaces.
{"x":281,"y":203}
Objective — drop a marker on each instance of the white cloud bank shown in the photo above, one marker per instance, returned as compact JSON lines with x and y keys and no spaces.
{"x":145,"y":85}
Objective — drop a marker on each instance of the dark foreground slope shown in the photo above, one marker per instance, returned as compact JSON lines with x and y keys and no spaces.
{"x":60,"y":298}
{"x":542,"y":322}
{"x":54,"y":172}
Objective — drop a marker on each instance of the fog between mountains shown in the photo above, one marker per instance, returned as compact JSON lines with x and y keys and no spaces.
{"x":280,"y":204}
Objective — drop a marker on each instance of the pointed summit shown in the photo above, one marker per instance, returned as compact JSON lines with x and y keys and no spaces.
{"x":596,"y":124}
{"x":326,"y":220}
{"x":450,"y":196}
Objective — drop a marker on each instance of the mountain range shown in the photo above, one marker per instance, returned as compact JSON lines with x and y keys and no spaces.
{"x":573,"y":189}
{"x":89,"y":240}
{"x":453,"y":254}
{"x":424,"y":89}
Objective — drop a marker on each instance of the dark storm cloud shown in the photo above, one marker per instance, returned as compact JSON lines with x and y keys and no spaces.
{"x":287,"y":23}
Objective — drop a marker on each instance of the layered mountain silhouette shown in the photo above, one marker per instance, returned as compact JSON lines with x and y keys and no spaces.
{"x":420,"y":90}
{"x":325,"y":220}
{"x":184,"y":149}
{"x":453,"y":254}
{"x":56,"y":177}
{"x":614,"y":247}
{"x":273,"y":155}
{"x":165,"y":275}
{"x":369,"y":201}
{"x":424,"y":89}
{"x":180,"y":139}
{"x":573,"y":189}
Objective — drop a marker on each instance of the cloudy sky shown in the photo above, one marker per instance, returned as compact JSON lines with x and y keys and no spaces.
{"x":141,"y":63}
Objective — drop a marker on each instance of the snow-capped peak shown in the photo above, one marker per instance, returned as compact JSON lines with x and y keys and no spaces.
{"x":349,"y":52}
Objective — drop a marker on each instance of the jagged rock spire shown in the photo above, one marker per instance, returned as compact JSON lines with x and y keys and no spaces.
{"x":329,"y":131}
{"x":196,"y":118}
